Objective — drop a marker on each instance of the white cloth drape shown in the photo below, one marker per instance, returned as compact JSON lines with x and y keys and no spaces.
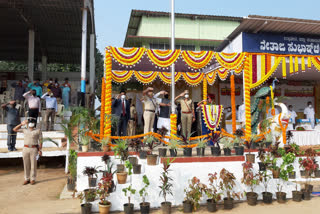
{"x":306,"y":138}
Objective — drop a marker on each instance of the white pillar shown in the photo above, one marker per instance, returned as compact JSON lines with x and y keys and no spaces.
{"x":44,"y":68}
{"x":31,"y":55}
{"x":172,"y":66}
{"x":92,"y":62}
{"x":84,"y":48}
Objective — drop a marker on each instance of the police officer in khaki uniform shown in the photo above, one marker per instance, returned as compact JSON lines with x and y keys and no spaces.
{"x":32,"y":147}
{"x":187,"y":112}
{"x":150,"y":106}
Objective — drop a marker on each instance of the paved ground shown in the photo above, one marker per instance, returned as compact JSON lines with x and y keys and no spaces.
{"x":44,"y":197}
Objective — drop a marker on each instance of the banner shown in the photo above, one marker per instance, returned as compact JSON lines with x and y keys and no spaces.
{"x":280,"y":44}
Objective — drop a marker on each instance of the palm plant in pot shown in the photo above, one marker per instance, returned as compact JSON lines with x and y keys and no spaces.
{"x":173,"y":146}
{"x":91,"y":172}
{"x":227,"y":145}
{"x":128,"y":192}
{"x":72,"y":168}
{"x":251,"y":180}
{"x":144,"y":206}
{"x":85,"y":140}
{"x":121,"y":152}
{"x":166,"y":186}
{"x":215,"y":138}
{"x":212,"y":192}
{"x":227,"y":183}
{"x":162,"y":151}
{"x":266,"y":196}
{"x":152,"y":143}
{"x":185,"y":139}
{"x":238,"y":142}
{"x":193,"y":193}
{"x":103,"y":191}
{"x":108,"y":171}
{"x":105,"y":144}
{"x":85,"y":204}
{"x":202,"y":143}
{"x":249,"y":144}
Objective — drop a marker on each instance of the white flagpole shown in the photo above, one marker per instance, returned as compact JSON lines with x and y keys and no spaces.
{"x":172,"y":66}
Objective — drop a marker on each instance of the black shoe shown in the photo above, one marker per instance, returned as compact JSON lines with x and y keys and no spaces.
{"x":10,"y":150}
{"x":14,"y":149}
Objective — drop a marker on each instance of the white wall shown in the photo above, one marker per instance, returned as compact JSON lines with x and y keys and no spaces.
{"x":181,"y":173}
{"x":235,"y":46}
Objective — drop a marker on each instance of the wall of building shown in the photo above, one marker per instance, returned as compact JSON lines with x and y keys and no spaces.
{"x":186,"y":28}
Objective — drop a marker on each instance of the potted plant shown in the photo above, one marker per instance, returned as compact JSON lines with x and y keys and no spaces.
{"x":266,"y":196}
{"x":121,"y":152}
{"x":85,"y":140}
{"x":90,"y":194}
{"x":227,"y":145}
{"x":86,"y":206}
{"x":108,"y":171}
{"x":212,"y":192}
{"x":136,"y":168}
{"x":309,"y":165}
{"x":142,"y":153}
{"x":202,"y":143}
{"x":187,"y":151}
{"x":122,"y":176}
{"x":285,"y":168}
{"x":128,"y":192}
{"x":72,"y":167}
{"x":262,"y":158}
{"x":271,"y":160}
{"x":144,"y":206}
{"x":268,"y":138}
{"x":151,"y":142}
{"x":162,"y":151}
{"x":90,"y":172}
{"x":173,"y":146}
{"x":166,"y":186}
{"x":238,"y":142}
{"x":227,"y":184}
{"x":251,"y":180}
{"x":105,"y":144}
{"x":296,"y":195}
{"x":249,"y":144}
{"x":193,"y":194}
{"x":103,"y":191}
{"x":215,"y":137}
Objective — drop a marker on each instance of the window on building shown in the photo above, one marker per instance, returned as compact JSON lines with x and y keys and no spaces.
{"x":159,"y":46}
{"x":207,"y":48}
{"x":186,"y":47}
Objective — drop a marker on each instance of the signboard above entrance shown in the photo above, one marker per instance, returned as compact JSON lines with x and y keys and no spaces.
{"x":280,"y":44}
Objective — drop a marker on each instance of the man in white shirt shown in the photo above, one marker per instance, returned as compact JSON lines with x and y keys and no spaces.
{"x":242,"y":115}
{"x":293,"y":116}
{"x":309,"y":114}
{"x":51,"y":110}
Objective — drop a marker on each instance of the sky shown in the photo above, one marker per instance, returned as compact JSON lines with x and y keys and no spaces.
{"x":112,"y":16}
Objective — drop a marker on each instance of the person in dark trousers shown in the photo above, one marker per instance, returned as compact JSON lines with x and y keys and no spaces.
{"x":33,"y":104}
{"x":13,"y":120}
{"x":122,"y":109}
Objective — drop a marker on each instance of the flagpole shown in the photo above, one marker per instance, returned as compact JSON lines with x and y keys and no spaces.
{"x":172,"y":66}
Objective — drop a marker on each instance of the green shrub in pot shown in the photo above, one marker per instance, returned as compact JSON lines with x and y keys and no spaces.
{"x":193,"y":194}
{"x":213,"y":192}
{"x":144,"y":206}
{"x":251,"y":180}
{"x":166,"y":185}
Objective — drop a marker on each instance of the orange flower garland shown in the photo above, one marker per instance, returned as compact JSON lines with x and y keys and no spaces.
{"x":102,"y":113}
{"x":247,"y":81}
{"x":283,"y":129}
{"x":233,"y":104}
{"x":108,"y":94}
{"x":205,"y":90}
{"x":173,"y":124}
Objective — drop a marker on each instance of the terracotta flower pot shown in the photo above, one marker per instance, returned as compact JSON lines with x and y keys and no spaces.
{"x":85,"y":148}
{"x":152,"y":160}
{"x":104,"y":209}
{"x":106,"y":148}
{"x":275,"y":173}
{"x":250,"y":158}
{"x":122,"y":177}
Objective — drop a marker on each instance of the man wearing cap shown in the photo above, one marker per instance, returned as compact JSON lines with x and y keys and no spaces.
{"x":187,"y":112}
{"x":150,"y":106}
{"x":32,"y":147}
{"x":13,"y":120}
{"x":51,"y":110}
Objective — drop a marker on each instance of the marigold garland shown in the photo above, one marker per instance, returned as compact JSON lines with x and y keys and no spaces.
{"x":193,"y":79}
{"x":121,"y":76}
{"x":102,"y":112}
{"x":166,"y":77}
{"x":146,"y":77}
{"x":212,"y":123}
{"x":247,"y":81}
{"x":205,"y":90}
{"x":233,"y":104}
{"x":211,"y":77}
{"x":173,"y":124}
{"x":163,"y":58}
{"x":197,"y":60}
{"x":126,"y":56}
{"x":108,"y":94}
{"x":230,"y":61}
{"x":283,"y":129}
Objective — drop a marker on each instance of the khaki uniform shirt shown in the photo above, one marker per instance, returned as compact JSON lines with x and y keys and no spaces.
{"x":149,"y":103}
{"x":133,"y":112}
{"x":186,"y":106}
{"x":33,"y":137}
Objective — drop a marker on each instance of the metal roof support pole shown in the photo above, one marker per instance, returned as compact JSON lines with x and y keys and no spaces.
{"x":44,"y":73}
{"x":92,"y":63}
{"x":84,"y":50}
{"x":31,"y":55}
{"x":172,"y":66}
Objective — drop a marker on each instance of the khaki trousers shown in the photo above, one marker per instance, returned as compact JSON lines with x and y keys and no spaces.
{"x":186,"y":123}
{"x":148,"y":117}
{"x":50,"y":113}
{"x":29,"y":156}
{"x":131,"y":128}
